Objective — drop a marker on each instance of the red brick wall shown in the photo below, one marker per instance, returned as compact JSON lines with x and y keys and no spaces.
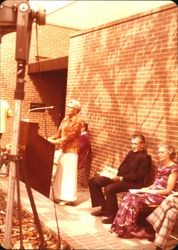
{"x":50,"y":42}
{"x":125,"y":75}
{"x":7,"y":78}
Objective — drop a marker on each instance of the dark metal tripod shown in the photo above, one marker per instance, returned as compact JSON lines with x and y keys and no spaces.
{"x":17,"y":16}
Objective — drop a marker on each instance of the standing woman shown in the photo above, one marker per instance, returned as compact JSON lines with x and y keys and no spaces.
{"x":66,"y":139}
{"x":125,"y":222}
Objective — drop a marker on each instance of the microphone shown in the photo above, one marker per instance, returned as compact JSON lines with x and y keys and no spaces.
{"x":39,"y":108}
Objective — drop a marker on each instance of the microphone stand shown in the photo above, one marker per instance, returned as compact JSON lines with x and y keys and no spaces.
{"x":39,"y":108}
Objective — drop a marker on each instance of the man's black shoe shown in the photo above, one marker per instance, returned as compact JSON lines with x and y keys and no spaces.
{"x":99,"y":213}
{"x":108,"y":220}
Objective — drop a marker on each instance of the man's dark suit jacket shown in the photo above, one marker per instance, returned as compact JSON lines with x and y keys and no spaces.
{"x":135,"y":167}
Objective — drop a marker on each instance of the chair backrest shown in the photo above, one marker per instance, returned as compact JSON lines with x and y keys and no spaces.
{"x":84,"y":150}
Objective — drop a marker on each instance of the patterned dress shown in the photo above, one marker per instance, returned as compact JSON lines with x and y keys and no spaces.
{"x":126,"y":217}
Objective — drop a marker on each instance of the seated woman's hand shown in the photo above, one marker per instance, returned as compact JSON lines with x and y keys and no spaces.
{"x":147,"y":190}
{"x":144,"y":190}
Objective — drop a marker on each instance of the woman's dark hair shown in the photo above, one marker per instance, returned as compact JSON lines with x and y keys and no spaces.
{"x":85,"y":126}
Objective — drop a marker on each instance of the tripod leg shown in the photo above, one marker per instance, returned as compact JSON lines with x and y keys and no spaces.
{"x":19,"y":206}
{"x":33,"y":206}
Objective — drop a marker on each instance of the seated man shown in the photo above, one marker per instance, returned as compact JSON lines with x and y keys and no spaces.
{"x":163,"y":219}
{"x":131,"y":174}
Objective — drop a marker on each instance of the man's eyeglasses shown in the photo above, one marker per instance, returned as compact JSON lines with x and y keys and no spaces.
{"x":135,"y":143}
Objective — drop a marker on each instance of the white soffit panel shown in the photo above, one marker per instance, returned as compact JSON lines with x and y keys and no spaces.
{"x":87,"y":14}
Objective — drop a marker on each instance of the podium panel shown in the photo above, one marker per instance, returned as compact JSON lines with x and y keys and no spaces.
{"x":38,"y":154}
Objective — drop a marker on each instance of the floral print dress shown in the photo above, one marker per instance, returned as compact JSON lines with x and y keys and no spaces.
{"x":126,"y":217}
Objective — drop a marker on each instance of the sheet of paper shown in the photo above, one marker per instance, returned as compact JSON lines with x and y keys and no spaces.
{"x":108,"y":172}
{"x":135,"y":191}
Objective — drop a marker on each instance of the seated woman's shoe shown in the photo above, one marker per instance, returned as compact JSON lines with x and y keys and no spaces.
{"x":142,"y":234}
{"x":108,"y":220}
{"x":99,"y":213}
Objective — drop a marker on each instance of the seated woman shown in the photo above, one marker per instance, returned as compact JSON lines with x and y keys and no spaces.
{"x":163,"y":219}
{"x":125,"y":222}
